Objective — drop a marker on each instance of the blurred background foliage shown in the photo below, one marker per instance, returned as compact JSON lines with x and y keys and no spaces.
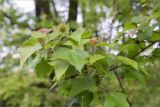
{"x":24,"y":89}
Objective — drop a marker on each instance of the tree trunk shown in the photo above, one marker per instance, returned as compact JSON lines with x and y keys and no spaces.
{"x":43,"y":7}
{"x":73,"y":10}
{"x":54,"y":9}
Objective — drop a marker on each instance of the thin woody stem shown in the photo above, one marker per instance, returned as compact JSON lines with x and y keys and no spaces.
{"x":121,"y":86}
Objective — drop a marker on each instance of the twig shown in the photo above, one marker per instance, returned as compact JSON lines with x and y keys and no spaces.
{"x":53,"y":86}
{"x":121,"y":86}
{"x":143,"y":49}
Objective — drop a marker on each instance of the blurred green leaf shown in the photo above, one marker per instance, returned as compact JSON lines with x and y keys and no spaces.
{"x":30,"y":42}
{"x":60,"y":67}
{"x":128,"y":61}
{"x":86,"y":34}
{"x":155,"y":37}
{"x":78,"y":58}
{"x":129,"y":49}
{"x":52,"y":36}
{"x":81,"y":84}
{"x":37,"y":34}
{"x":116,"y":99}
{"x":138,"y":19}
{"x":94,"y":58}
{"x":26,"y":52}
{"x":60,"y":53}
{"x":75,"y":57}
{"x":43,"y":68}
{"x":156,"y":52}
{"x":87,"y":98}
{"x":76,"y":36}
{"x":145,"y":33}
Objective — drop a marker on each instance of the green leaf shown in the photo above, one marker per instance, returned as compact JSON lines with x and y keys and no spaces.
{"x":145,"y":33}
{"x":77,"y":58}
{"x":30,"y":42}
{"x":138,"y":19}
{"x":142,"y":69}
{"x":94,"y":58}
{"x":26,"y":52}
{"x":155,"y":37}
{"x":87,"y":98}
{"x":131,"y":75}
{"x":103,"y":44}
{"x":72,"y":43}
{"x":156,"y":52}
{"x":51,"y":44}
{"x":128,"y":62}
{"x":32,"y":62}
{"x":60,"y":67}
{"x":36,"y":34}
{"x":76,"y":36}
{"x":116,"y":99}
{"x":60,"y":53}
{"x":129,"y":49}
{"x":86,"y":34}
{"x":84,"y":41}
{"x":110,"y":102}
{"x":43,"y":68}
{"x":100,"y":68}
{"x":81,"y":84}
{"x":52,"y":36}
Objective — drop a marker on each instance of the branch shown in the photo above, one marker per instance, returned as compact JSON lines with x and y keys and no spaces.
{"x":40,"y":85}
{"x":119,"y":80}
{"x":143,"y":49}
{"x":114,"y":68}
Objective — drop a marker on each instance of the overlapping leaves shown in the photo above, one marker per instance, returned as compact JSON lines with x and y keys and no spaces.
{"x":64,"y":51}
